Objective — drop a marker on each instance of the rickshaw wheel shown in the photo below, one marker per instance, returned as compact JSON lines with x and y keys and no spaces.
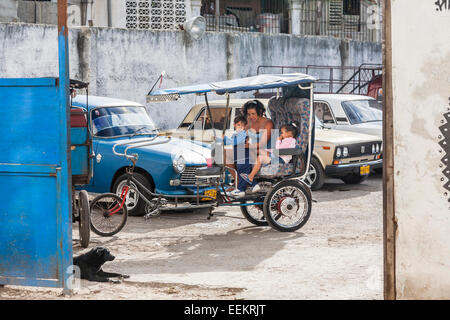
{"x":287,"y":207}
{"x":254,"y":214}
{"x":84,"y":223}
{"x":108,"y":215}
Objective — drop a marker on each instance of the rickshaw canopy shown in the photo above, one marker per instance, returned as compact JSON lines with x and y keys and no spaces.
{"x":264,"y":81}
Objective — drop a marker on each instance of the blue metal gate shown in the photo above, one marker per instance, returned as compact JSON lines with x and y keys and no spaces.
{"x":35,"y":220}
{"x":35,"y":176}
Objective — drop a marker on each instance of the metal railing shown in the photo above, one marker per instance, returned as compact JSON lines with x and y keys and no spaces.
{"x":333,"y":79}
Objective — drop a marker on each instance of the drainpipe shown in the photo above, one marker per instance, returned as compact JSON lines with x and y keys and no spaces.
{"x":109,"y":13}
{"x":217,"y":5}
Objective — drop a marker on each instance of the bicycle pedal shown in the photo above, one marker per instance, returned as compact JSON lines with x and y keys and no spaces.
{"x":154,"y":213}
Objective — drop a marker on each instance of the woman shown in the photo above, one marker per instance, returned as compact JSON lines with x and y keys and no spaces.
{"x":259,"y":130}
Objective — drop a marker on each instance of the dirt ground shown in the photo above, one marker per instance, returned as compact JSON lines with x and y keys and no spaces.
{"x":338,"y":254}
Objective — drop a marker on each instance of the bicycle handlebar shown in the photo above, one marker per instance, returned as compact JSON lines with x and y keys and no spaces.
{"x":136,"y":144}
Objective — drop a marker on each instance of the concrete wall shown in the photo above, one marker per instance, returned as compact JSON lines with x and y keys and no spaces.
{"x":421,"y":114}
{"x":125,"y":63}
{"x":8,"y":11}
{"x":46,"y":12}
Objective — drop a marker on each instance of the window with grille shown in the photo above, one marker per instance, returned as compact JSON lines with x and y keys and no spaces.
{"x":335,"y":13}
{"x":345,"y":15}
{"x":352,"y":7}
{"x":155,"y":14}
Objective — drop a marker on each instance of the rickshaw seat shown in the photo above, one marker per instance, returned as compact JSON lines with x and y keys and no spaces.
{"x":282,"y":111}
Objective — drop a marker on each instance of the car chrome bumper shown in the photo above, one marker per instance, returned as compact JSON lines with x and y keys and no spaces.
{"x":340,"y":170}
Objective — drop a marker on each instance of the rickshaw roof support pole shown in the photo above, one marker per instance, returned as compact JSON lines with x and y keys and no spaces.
{"x":225,"y":126}
{"x":226,"y":114}
{"x":210,"y":116}
{"x":311,"y":117}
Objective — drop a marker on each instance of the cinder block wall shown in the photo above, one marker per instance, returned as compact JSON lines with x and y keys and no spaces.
{"x":125,"y":63}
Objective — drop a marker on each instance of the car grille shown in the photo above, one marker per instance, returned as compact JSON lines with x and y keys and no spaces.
{"x":188,"y":177}
{"x":354,"y":150}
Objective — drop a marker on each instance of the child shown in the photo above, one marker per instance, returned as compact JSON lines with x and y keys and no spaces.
{"x":237,"y":140}
{"x":286,"y":140}
{"x":240,"y":135}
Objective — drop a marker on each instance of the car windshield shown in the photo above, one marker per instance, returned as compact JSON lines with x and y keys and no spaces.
{"x":119,"y":121}
{"x":362,"y":111}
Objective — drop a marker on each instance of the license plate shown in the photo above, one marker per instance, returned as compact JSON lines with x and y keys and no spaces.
{"x":210,"y":193}
{"x":364,"y":170}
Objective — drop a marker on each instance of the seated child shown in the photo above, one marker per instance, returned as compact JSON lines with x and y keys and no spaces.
{"x":286,"y":140}
{"x":237,"y":140}
{"x":240,"y":135}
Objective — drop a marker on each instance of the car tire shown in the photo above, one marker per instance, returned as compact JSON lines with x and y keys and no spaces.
{"x":354,"y":178}
{"x":135,"y":205}
{"x":316,"y":176}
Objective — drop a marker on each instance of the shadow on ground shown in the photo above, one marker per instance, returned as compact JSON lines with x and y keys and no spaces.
{"x":237,"y":250}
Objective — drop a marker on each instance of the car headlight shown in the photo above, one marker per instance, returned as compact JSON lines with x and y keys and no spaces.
{"x":179,"y":164}
{"x":338,"y":152}
{"x":345,"y":152}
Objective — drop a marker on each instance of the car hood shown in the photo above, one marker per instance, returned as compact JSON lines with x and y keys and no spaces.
{"x":339,"y":137}
{"x":192,"y":152}
{"x":372,"y":128}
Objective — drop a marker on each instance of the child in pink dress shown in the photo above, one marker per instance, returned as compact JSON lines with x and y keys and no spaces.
{"x":286,"y":140}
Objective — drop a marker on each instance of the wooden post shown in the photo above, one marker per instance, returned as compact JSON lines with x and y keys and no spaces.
{"x":389,"y":225}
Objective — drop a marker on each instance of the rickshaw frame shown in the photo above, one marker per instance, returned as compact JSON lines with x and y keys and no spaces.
{"x":217,"y":177}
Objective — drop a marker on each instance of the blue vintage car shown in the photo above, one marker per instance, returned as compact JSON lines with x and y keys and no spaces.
{"x":167,"y":169}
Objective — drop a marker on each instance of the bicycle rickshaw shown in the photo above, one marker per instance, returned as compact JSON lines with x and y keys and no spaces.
{"x":284,"y":201}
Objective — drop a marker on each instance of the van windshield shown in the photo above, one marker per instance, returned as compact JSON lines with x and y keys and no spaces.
{"x":362,"y":111}
{"x":119,"y":121}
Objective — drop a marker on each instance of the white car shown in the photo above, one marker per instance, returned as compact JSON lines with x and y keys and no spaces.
{"x":349,"y":112}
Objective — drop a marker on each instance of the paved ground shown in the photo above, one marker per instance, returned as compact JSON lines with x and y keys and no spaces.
{"x":338,"y":254}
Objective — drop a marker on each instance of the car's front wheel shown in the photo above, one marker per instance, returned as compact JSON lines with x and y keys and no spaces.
{"x":315,"y":177}
{"x":134,"y":202}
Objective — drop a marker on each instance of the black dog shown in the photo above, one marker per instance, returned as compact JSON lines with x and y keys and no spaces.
{"x":90,"y":265}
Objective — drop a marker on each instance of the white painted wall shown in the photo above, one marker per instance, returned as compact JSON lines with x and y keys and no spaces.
{"x":125,"y":63}
{"x":421,"y":90}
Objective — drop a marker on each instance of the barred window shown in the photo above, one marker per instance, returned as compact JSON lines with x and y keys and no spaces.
{"x":155,"y":14}
{"x":352,"y":7}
